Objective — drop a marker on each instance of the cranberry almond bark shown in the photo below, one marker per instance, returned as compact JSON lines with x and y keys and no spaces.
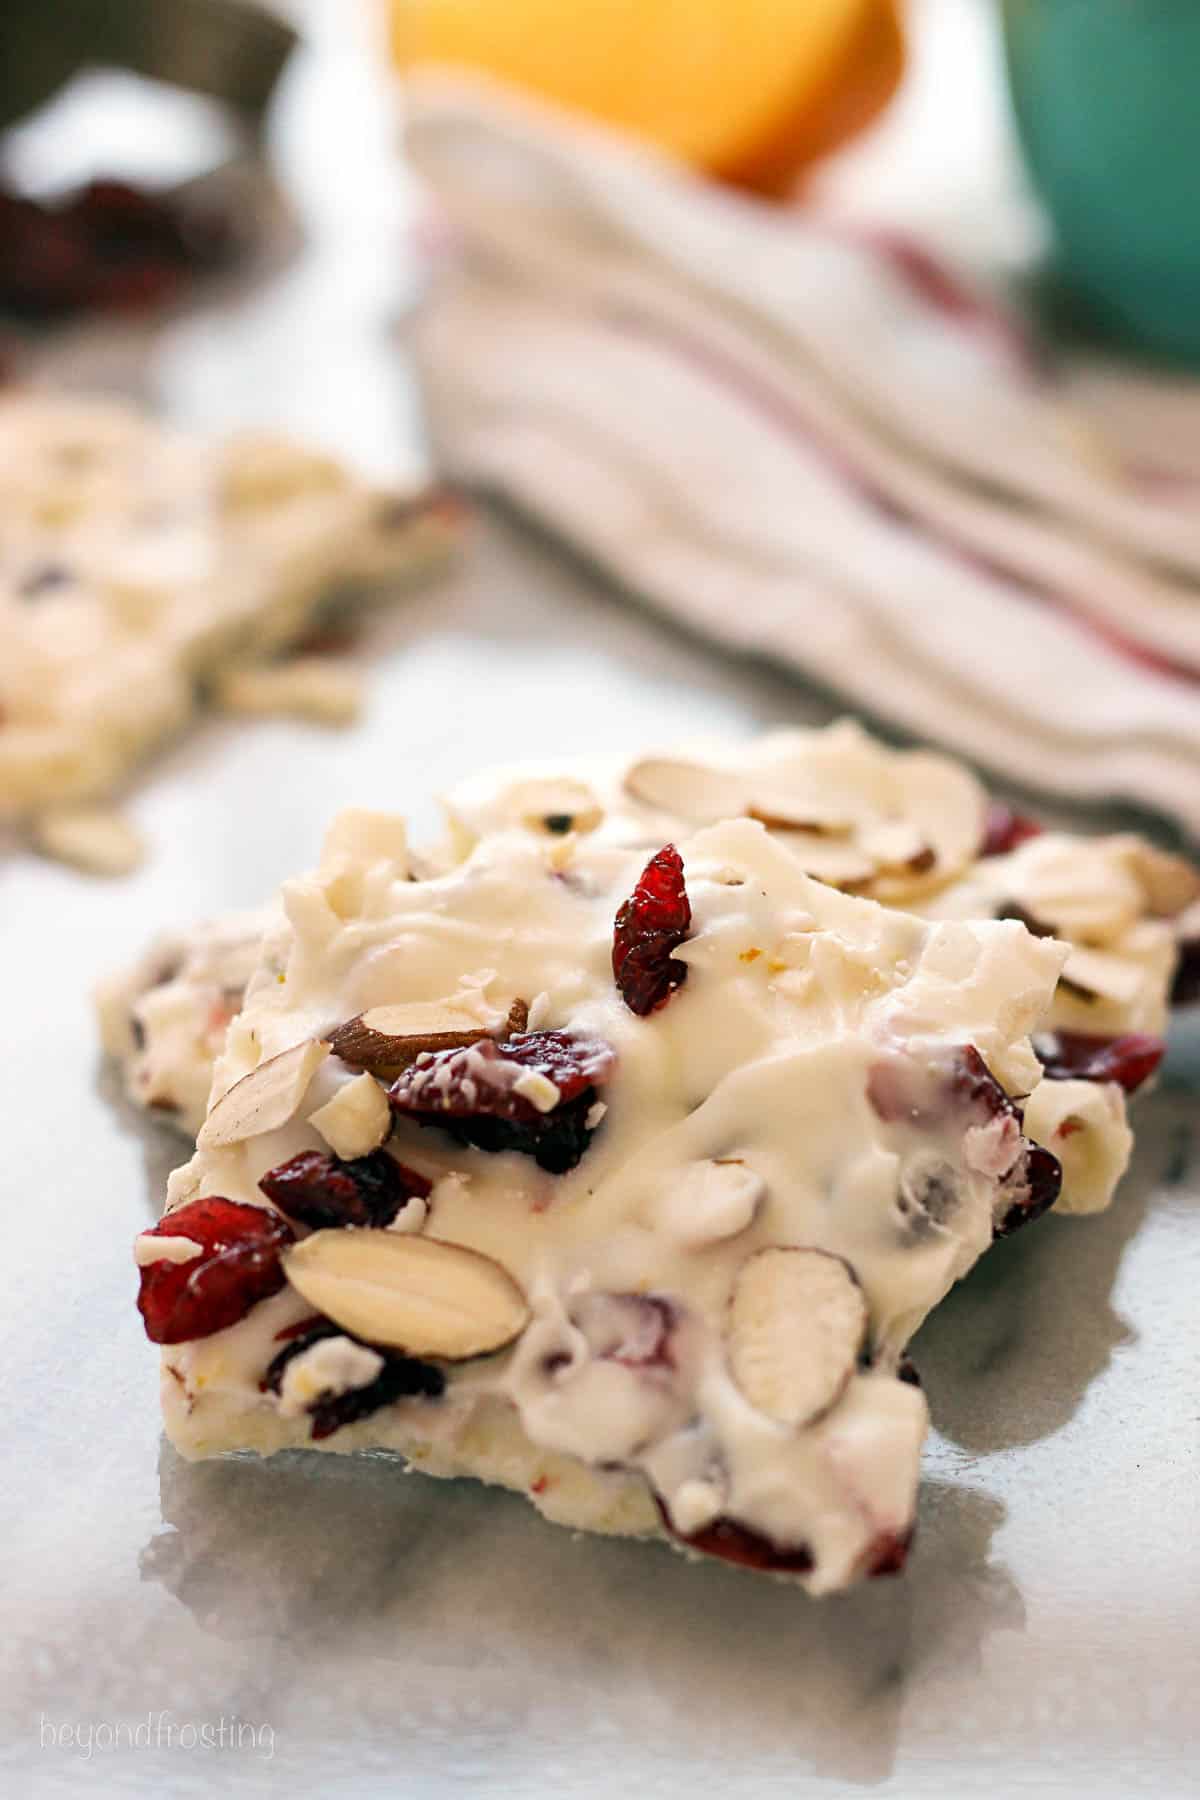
{"x":140,"y":568}
{"x":620,"y":1179}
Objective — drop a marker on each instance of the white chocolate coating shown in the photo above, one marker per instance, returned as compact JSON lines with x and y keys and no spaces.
{"x":795,"y":995}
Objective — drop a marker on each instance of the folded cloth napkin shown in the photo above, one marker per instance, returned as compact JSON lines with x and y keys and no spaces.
{"x":813,"y":442}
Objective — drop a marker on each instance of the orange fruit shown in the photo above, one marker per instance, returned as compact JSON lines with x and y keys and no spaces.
{"x":751,"y":91}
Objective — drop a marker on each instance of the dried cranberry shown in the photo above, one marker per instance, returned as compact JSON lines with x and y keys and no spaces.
{"x":237,"y":1267}
{"x":926,"y":1092}
{"x":110,"y":245}
{"x":735,"y":1543}
{"x":972,"y":1082}
{"x":1185,"y":989}
{"x":652,"y":923}
{"x":1130,"y":1059}
{"x":960,"y":1085}
{"x":43,"y":269}
{"x":320,"y":1190}
{"x":889,"y":1553}
{"x":137,"y":288}
{"x":1034,"y":1184}
{"x":298,"y":1330}
{"x":402,"y":1377}
{"x":473,"y":1094}
{"x":143,"y":238}
{"x":297,"y":1338}
{"x":1004,"y":829}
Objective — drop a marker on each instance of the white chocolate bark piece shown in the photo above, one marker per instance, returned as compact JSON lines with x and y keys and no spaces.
{"x":165,"y":1020}
{"x":846,"y":1062}
{"x":137,"y":565}
{"x":1115,"y":898}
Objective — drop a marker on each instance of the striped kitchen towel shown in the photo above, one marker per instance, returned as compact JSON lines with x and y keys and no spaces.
{"x":818,"y":443}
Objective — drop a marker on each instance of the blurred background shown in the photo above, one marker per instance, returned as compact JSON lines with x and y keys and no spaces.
{"x":758,"y":95}
{"x":904,"y":110}
{"x":879,"y":314}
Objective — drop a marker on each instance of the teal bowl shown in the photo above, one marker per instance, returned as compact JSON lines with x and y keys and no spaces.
{"x":1107,"y":101}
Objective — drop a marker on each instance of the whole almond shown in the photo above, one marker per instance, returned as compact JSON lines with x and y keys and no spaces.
{"x":416,"y":1294}
{"x":797,"y":1322}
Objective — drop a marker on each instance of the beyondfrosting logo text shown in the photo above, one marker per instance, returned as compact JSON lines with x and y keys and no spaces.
{"x":157,"y":1731}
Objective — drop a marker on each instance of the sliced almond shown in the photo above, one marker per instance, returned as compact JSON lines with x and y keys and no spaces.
{"x":1170,"y":883}
{"x":916,"y":817}
{"x":265,"y":1099}
{"x":1098,"y":975}
{"x":1085,"y":890}
{"x":797,"y":1322}
{"x":556,"y":806}
{"x":897,"y":845}
{"x":837,"y":863}
{"x":387,"y":1037}
{"x":357,"y":1119}
{"x":416,"y":1294}
{"x":780,"y":811}
{"x":689,"y":790}
{"x":943,"y":808}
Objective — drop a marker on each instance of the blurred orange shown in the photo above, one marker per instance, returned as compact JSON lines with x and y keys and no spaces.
{"x":751,"y":91}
